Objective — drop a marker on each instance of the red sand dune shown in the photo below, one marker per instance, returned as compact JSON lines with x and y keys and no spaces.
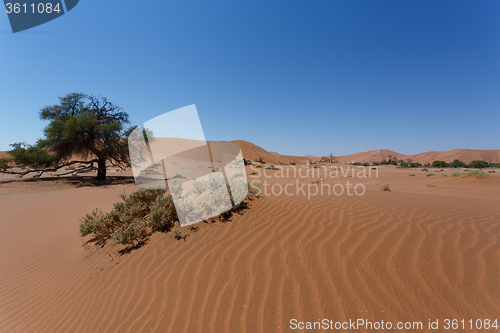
{"x":465,"y":155}
{"x":370,"y":156}
{"x":430,"y":249}
{"x":254,"y":152}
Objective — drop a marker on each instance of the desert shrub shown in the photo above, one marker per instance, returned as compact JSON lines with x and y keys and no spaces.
{"x":96,"y":223}
{"x":176,"y":188}
{"x":237,"y":175}
{"x":178,"y":176}
{"x":429,"y":174}
{"x":458,"y":164}
{"x":354,"y":163}
{"x":84,"y":184}
{"x":129,"y":232}
{"x":477,"y":173}
{"x":272,"y":167}
{"x":162,"y":214}
{"x":408,"y":164}
{"x":478,"y":164}
{"x":126,"y":222}
{"x":118,"y":182}
{"x":253,"y":190}
{"x":216,"y":183}
{"x":253,"y":173}
{"x":440,"y":164}
{"x":455,"y":174}
{"x":200,"y":186}
{"x":145,"y":211}
{"x":179,"y":235}
{"x":366,"y":164}
{"x":258,"y":166}
{"x":411,"y":175}
{"x":403,"y":164}
{"x":393,"y":162}
{"x":293,"y":163}
{"x":425,"y":170}
{"x":386,"y":187}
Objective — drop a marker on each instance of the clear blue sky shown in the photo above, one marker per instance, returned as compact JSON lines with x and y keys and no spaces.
{"x":294,"y":76}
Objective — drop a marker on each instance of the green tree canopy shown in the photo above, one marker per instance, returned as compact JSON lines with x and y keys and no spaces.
{"x":89,"y":127}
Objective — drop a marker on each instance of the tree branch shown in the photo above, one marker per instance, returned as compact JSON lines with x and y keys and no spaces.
{"x":41,"y":171}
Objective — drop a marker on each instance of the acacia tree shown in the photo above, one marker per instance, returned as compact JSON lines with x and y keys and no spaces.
{"x":89,"y":127}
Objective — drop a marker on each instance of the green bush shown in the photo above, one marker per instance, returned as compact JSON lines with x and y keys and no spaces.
{"x":199,"y":187}
{"x":293,"y":163}
{"x":458,"y":164}
{"x":179,"y":235}
{"x":272,"y":167}
{"x":177,"y":176}
{"x":478,"y":164}
{"x":440,"y":164}
{"x":478,"y":174}
{"x":429,"y":175}
{"x":386,"y":187}
{"x":145,"y":211}
{"x":403,"y":164}
{"x":126,"y":222}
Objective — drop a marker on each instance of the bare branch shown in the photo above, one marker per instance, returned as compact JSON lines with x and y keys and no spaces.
{"x":41,"y":171}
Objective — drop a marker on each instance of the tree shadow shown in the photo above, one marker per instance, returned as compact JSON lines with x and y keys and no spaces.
{"x":75,"y":180}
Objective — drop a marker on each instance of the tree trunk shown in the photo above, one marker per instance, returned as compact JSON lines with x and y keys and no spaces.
{"x":101,"y":169}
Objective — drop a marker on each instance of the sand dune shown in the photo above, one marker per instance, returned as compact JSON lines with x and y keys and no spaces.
{"x":419,"y":252}
{"x":465,"y":155}
{"x":370,"y":156}
{"x":254,"y":152}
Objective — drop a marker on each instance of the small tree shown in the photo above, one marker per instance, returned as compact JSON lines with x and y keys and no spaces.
{"x":478,"y":164}
{"x":458,"y":164}
{"x":440,"y":164}
{"x":83,"y":125}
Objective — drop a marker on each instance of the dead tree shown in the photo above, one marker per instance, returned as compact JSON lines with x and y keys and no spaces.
{"x":329,"y":158}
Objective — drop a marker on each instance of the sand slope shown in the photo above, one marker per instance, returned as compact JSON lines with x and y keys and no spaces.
{"x":254,"y":152}
{"x":413,"y":254}
{"x":465,"y":155}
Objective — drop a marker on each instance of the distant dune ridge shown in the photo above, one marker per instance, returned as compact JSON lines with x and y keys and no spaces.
{"x":255,"y":152}
{"x":428,"y":249}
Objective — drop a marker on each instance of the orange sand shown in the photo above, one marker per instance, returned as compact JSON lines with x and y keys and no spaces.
{"x":416,"y":253}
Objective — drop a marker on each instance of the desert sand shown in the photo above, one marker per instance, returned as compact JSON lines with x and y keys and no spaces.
{"x":429,"y":249}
